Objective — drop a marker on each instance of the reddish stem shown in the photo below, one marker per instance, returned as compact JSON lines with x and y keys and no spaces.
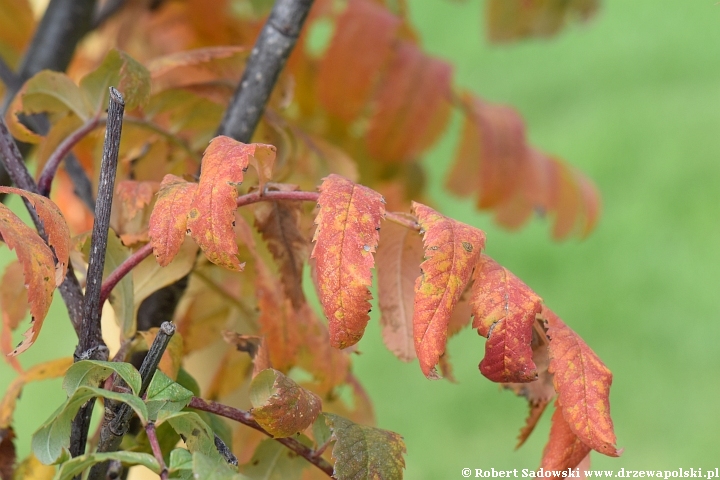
{"x":155,"y":445}
{"x":123,"y":269}
{"x":48,"y":174}
{"x":246,"y":418}
{"x":270,"y":195}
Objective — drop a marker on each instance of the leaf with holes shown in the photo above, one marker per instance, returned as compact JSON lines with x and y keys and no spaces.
{"x":583,"y":385}
{"x":452,"y":249}
{"x":345,"y":239}
{"x":365,"y":452}
{"x":168,"y":220}
{"x":398,"y":266}
{"x":504,"y":309}
{"x":280,"y":405}
{"x":212,"y":211}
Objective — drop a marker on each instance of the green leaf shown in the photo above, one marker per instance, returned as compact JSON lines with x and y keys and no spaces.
{"x":196,"y":434}
{"x":281,"y":406}
{"x":180,"y":459}
{"x":218,"y":425}
{"x":274,"y":461}
{"x":77,"y":465}
{"x":321,"y":432}
{"x":92,"y":372}
{"x":186,"y":380}
{"x":121,"y":71}
{"x":165,"y":395}
{"x":365,"y":452}
{"x":205,"y":466}
{"x":51,"y":441}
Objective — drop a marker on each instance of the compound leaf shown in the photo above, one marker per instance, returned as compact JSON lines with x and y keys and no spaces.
{"x":365,"y":452}
{"x":280,"y":405}
{"x":504,"y":309}
{"x":452,"y":249}
{"x":345,"y":239}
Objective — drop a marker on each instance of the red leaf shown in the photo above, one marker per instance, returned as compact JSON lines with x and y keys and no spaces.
{"x":168,"y":221}
{"x":504,"y":309}
{"x":564,"y":449}
{"x":345,"y":239}
{"x":279,"y":224}
{"x":412,"y":105}
{"x":398,"y":266}
{"x":38,"y":268}
{"x":583,"y":385}
{"x":56,"y":229}
{"x":211,"y":215}
{"x":363,"y":38}
{"x":452,"y":249}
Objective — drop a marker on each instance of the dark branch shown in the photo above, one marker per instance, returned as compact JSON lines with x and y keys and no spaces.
{"x":117,"y":415}
{"x":268,"y":57}
{"x":7,"y":76}
{"x":247,"y":419}
{"x":91,"y":344}
{"x":225,"y":451}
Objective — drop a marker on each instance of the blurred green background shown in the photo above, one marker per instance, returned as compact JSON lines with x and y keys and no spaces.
{"x":633,"y":99}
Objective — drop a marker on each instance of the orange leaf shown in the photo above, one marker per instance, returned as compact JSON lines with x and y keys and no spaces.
{"x":13,"y":295}
{"x":280,"y":405}
{"x":38,"y":268}
{"x":398,"y":266}
{"x":345,"y":239}
{"x":279,"y":224}
{"x":452,"y":249}
{"x":564,"y":449}
{"x":583,"y":385}
{"x":504,"y":309}
{"x":362,"y":42}
{"x":212,"y":212}
{"x":130,"y":210}
{"x":412,"y":105}
{"x":56,"y":229}
{"x":168,"y":221}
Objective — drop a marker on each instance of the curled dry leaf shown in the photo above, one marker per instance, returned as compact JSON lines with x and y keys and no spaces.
{"x":505,"y":310}
{"x":564,"y":449}
{"x":256,"y":347}
{"x":280,"y":405}
{"x":583,"y":385}
{"x":345,"y":239}
{"x":168,"y":221}
{"x":452,"y":249}
{"x":398,"y":266}
{"x":212,"y":211}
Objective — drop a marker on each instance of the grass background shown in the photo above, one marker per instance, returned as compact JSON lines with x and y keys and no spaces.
{"x":633,"y":99}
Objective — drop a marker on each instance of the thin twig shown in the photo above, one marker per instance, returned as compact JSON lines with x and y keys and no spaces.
{"x":117,"y":415}
{"x":48,"y":174}
{"x":246,"y":418}
{"x":268,"y":57}
{"x":91,"y":344}
{"x":83,"y":187}
{"x":155,"y":445}
{"x":123,"y":269}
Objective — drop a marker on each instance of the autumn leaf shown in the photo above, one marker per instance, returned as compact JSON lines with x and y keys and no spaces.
{"x":412,"y":105}
{"x":13,"y":295}
{"x":130,"y":209}
{"x":564,"y":449}
{"x":56,"y":229}
{"x":279,"y":224}
{"x":345,"y":239}
{"x":38,"y":264}
{"x":398,"y":266}
{"x":504,"y":309}
{"x":583,"y":385}
{"x":212,"y":211}
{"x":168,"y":220}
{"x":452,"y":249}
{"x":280,"y":405}
{"x":365,"y":452}
{"x":256,"y":347}
{"x":361,"y":45}
{"x":509,"y":20}
{"x":119,"y":70}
